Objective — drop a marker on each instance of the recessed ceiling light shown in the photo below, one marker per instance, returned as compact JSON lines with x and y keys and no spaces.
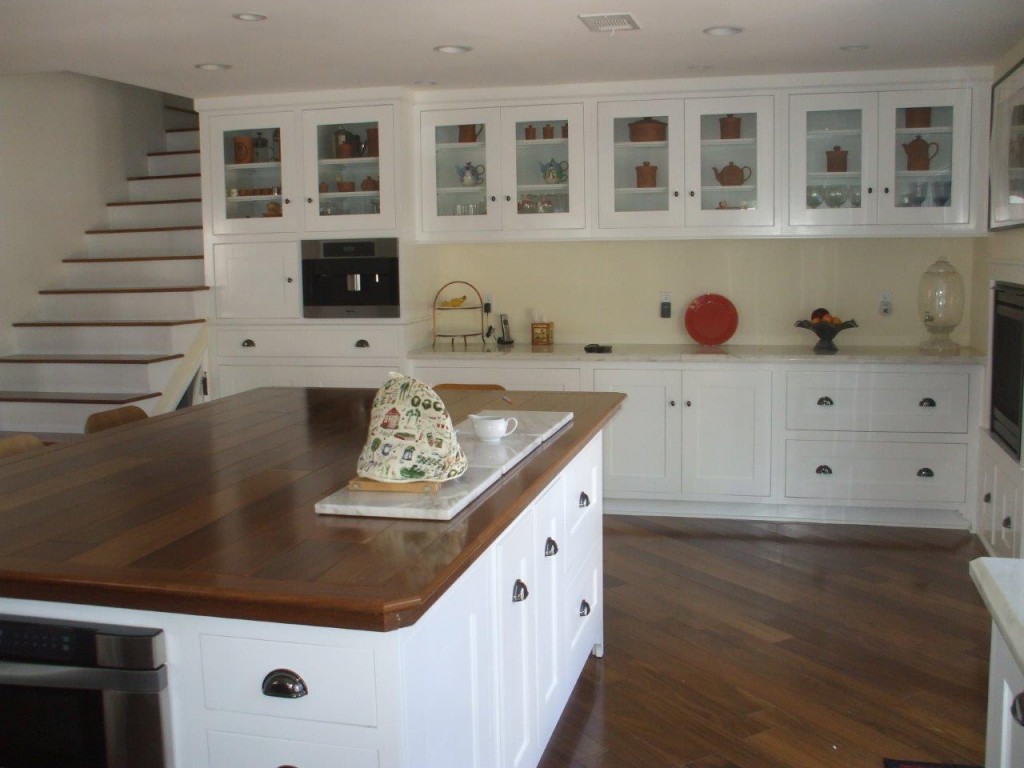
{"x":722,"y":31}
{"x":859,"y":47}
{"x":213,"y":67}
{"x":452,"y":48}
{"x":249,"y":16}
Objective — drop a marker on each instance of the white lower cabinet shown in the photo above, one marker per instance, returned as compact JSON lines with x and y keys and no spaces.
{"x":514,"y":377}
{"x":1004,"y":738}
{"x":695,"y":432}
{"x":1001,"y":511}
{"x":231,"y":749}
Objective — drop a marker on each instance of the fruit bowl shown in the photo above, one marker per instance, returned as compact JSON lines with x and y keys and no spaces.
{"x":826,"y":332}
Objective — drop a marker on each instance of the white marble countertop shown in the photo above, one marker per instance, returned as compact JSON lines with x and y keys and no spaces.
{"x":690,"y":353}
{"x":1000,"y":580}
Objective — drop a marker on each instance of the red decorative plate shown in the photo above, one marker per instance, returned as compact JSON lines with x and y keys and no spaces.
{"x":711,"y":319}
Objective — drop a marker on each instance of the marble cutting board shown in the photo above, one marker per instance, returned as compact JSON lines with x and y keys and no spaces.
{"x":487,"y":463}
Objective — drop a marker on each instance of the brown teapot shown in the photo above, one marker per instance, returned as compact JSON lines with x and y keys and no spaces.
{"x":920,"y":153}
{"x":732,"y":175}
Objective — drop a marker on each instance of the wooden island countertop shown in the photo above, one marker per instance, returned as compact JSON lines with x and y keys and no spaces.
{"x":210,"y":511}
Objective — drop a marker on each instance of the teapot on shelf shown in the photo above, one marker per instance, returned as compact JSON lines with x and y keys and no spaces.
{"x":554,"y":172}
{"x":920,"y":153}
{"x":470,"y":175}
{"x":732,"y":175}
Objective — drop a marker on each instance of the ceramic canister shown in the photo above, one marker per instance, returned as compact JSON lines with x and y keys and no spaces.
{"x":835,"y":160}
{"x":243,"y":149}
{"x":729,"y":127}
{"x":646,"y":175}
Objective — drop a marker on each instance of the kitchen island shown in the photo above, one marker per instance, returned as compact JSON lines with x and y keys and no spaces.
{"x":202,"y":523}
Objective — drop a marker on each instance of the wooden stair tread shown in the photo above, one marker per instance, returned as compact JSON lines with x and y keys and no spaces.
{"x":155,"y":202}
{"x":106,"y":259}
{"x":48,"y":438}
{"x":165,"y":176}
{"x":141,"y":289}
{"x":133,"y":230}
{"x":84,"y":398}
{"x":94,"y":359}
{"x":105,"y":323}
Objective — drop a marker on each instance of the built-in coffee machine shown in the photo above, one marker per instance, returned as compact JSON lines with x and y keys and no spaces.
{"x":350,"y":278}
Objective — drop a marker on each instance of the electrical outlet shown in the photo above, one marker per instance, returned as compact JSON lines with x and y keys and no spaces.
{"x":664,"y":296}
{"x":666,"y":309}
{"x":885,"y":303}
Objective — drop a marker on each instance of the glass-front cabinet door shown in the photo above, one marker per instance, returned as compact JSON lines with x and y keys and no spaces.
{"x":1006,"y":152}
{"x":543,"y":167}
{"x":924,"y":161}
{"x":349,"y":168}
{"x":833,"y":154}
{"x":729,"y":162}
{"x":640,"y":163}
{"x":254,"y":173}
{"x":461,"y":170}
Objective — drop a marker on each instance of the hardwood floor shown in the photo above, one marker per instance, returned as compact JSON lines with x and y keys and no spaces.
{"x":777,"y":645}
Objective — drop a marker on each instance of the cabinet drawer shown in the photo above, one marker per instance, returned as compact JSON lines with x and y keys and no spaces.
{"x":583,"y":505}
{"x":876,"y":471}
{"x":232,"y":750}
{"x":339,"y":681}
{"x":583,"y":614}
{"x":309,"y":342}
{"x":540,"y":379}
{"x":877,"y":402}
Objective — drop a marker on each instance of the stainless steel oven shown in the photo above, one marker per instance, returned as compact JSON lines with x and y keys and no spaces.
{"x":79,"y":695}
{"x":1008,"y":366}
{"x":350,"y":278}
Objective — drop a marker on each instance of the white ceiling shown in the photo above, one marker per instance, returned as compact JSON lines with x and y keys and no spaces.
{"x":316,"y":44}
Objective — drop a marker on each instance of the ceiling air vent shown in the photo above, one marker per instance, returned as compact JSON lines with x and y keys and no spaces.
{"x":609,"y":22}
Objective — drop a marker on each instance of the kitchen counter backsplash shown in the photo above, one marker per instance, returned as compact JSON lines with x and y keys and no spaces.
{"x":674,"y":353}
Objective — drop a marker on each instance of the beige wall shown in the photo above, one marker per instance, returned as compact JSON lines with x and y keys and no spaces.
{"x":1007,"y":245}
{"x":608,"y":291}
{"x":67,"y":142}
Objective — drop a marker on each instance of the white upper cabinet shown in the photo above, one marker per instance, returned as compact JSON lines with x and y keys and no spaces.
{"x":254,"y":173}
{"x":348,"y":168}
{"x":508,"y":168}
{"x":730,"y":162}
{"x":896,"y":157}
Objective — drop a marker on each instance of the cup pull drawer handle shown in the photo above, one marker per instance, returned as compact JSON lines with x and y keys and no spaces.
{"x":823,"y":469}
{"x":550,"y":547}
{"x":248,"y":343}
{"x":584,"y":500}
{"x":925,"y":472}
{"x":1017,"y":708}
{"x":584,"y":608}
{"x":362,"y":344}
{"x":1008,"y":524}
{"x":826,"y":400}
{"x":987,"y":498}
{"x":284,"y":684}
{"x":927,"y":402}
{"x":519,"y":591}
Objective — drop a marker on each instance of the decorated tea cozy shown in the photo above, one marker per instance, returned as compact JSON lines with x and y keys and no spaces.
{"x":411,"y":436}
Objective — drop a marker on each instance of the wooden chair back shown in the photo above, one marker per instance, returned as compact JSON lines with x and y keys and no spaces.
{"x":9,"y":446}
{"x":489,"y":387}
{"x":115,"y":417}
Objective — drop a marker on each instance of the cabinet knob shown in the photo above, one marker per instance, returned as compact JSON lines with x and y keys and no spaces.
{"x":1017,"y":708}
{"x":309,"y":199}
{"x":584,"y":608}
{"x":692,"y":193}
{"x":885,"y":190}
{"x":689,"y":404}
{"x":362,"y":344}
{"x":823,"y":469}
{"x":287,"y":201}
{"x":871,"y":190}
{"x":290,"y":280}
{"x":925,"y":472}
{"x":826,"y":400}
{"x":284,"y":684}
{"x":1007,"y":523}
{"x":248,"y":343}
{"x":550,"y":547}
{"x":508,"y":198}
{"x":676,"y":193}
{"x":584,"y":500}
{"x":519,"y":591}
{"x":927,"y":402}
{"x":672,"y":403}
{"x":494,"y":198}
{"x":987,"y":498}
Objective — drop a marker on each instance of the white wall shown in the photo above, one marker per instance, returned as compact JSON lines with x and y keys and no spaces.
{"x":67,"y":144}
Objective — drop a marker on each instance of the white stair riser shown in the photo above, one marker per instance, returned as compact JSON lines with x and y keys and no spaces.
{"x":123,"y":306}
{"x":155,"y":215}
{"x":86,"y":377}
{"x":165,"y":189}
{"x":54,"y":417}
{"x":127,"y":274}
{"x":179,"y":141}
{"x":124,"y":340}
{"x":178,"y":242}
{"x":167,"y":165}
{"x":175,"y":119}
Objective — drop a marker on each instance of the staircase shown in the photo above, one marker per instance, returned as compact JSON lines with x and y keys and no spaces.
{"x":126,"y":323}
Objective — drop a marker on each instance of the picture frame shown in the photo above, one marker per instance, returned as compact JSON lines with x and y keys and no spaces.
{"x":1006,"y":151}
